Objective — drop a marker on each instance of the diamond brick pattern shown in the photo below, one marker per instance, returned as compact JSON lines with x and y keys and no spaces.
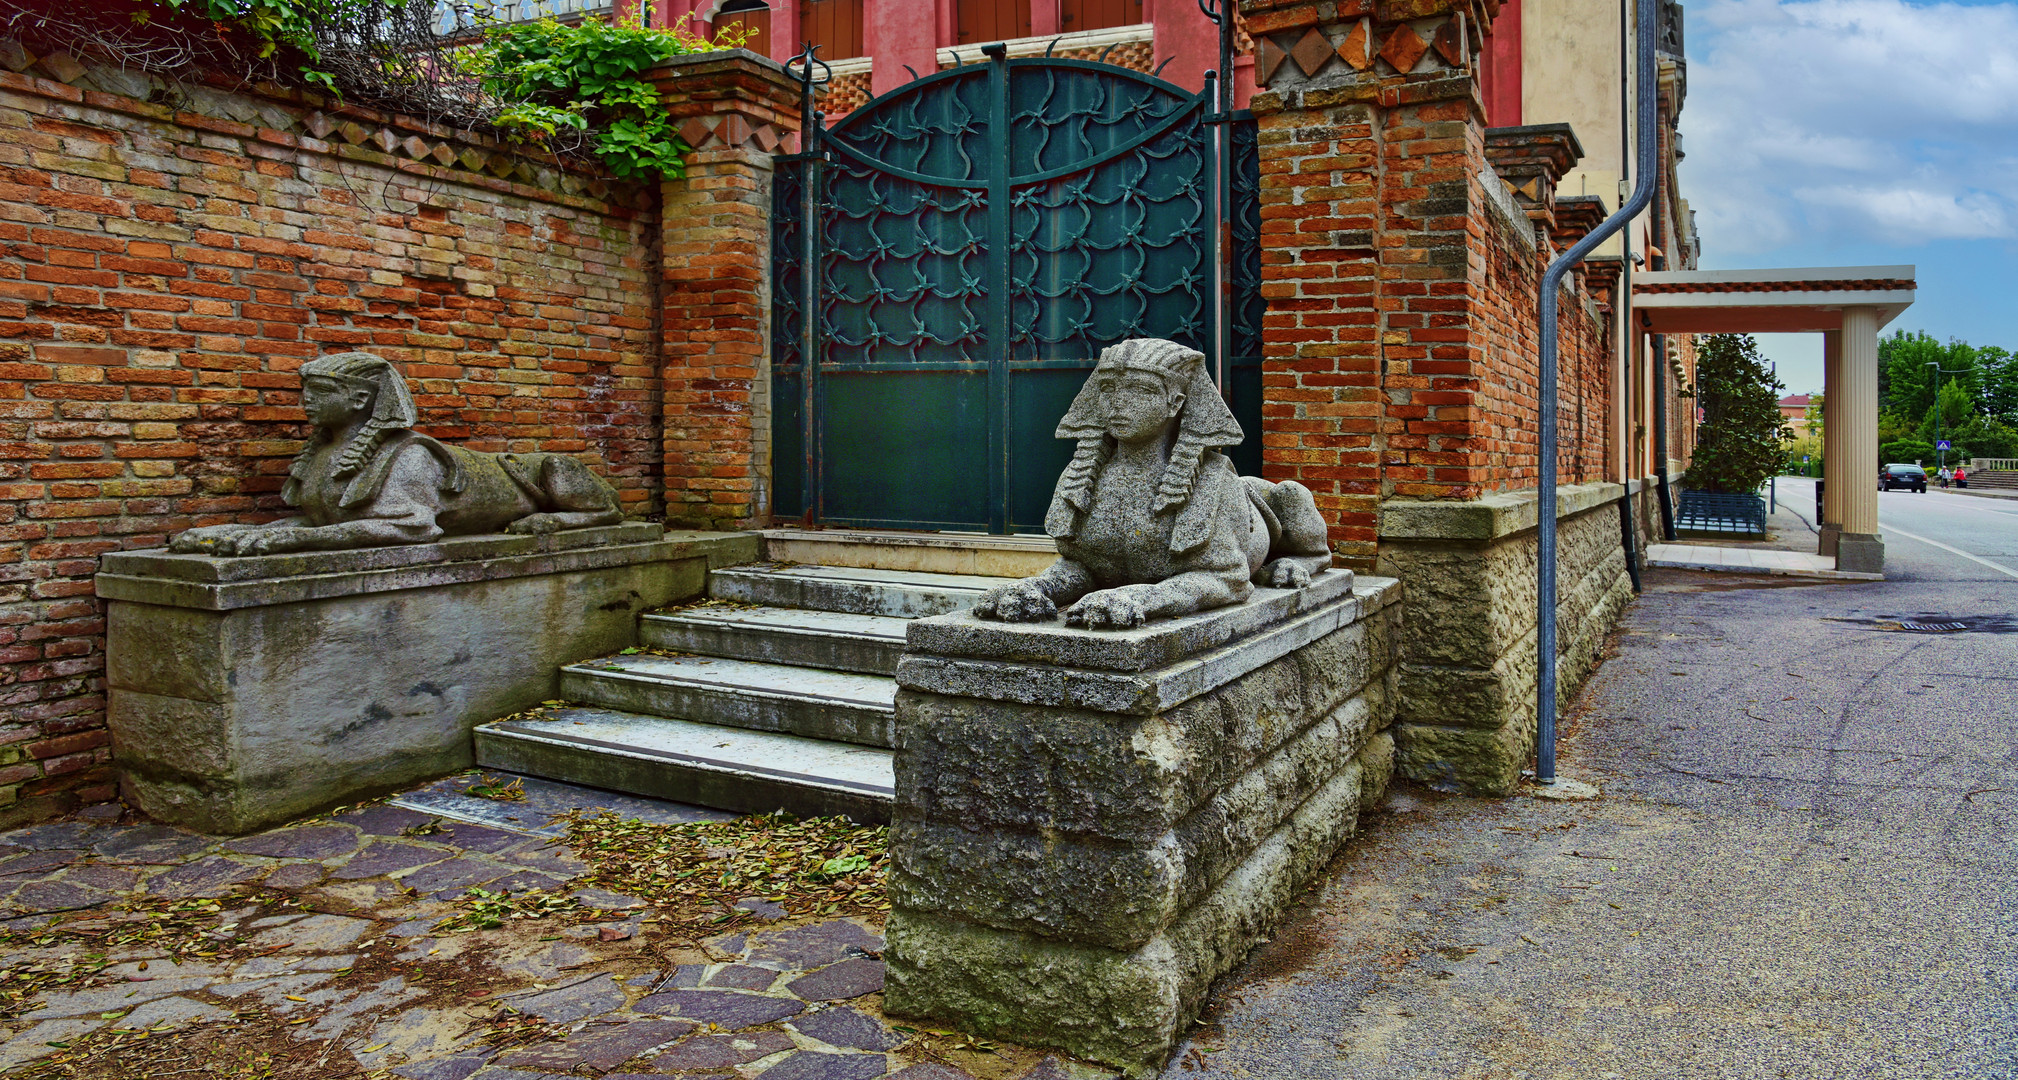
{"x":1311,"y":51}
{"x":1270,"y":58}
{"x":1357,"y":48}
{"x":1404,"y":49}
{"x":1449,"y":41}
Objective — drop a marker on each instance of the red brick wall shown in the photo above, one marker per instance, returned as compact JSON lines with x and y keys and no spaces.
{"x":162,"y":275}
{"x":717,"y":290}
{"x":1399,"y":340}
{"x":1509,"y":415}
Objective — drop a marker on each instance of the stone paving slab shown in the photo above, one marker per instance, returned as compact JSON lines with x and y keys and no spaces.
{"x":325,"y":937}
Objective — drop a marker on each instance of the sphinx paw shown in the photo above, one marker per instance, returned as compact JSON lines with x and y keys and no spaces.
{"x":258,"y":542}
{"x":208,"y":540}
{"x":1286,"y":574}
{"x":1112,"y":609}
{"x":535,"y":525}
{"x":1016,"y":602}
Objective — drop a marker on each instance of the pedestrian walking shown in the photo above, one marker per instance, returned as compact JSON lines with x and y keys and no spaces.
{"x":1945,"y":474}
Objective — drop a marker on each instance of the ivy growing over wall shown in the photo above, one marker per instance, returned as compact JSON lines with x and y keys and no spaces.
{"x":586,"y":78}
{"x":566,"y":88}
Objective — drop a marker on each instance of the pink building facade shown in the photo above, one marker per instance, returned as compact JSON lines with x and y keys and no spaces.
{"x":876,"y":46}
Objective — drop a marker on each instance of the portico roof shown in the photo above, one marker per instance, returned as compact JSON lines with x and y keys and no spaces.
{"x":1787,"y":300}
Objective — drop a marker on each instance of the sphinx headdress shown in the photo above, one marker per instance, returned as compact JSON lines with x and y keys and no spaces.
{"x":1203,"y":423}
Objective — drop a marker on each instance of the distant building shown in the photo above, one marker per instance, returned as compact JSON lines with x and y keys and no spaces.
{"x":1795,"y":408}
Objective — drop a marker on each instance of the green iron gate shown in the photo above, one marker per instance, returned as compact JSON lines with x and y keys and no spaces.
{"x":950,"y":259}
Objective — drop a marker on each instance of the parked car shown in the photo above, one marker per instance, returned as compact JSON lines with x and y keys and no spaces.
{"x":1902,"y":476}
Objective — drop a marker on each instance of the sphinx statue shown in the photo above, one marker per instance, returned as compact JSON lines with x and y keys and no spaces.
{"x":1150,"y":520}
{"x":367,"y":479}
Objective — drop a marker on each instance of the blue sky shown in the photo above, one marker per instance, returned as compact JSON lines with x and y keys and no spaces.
{"x":1858,"y":133}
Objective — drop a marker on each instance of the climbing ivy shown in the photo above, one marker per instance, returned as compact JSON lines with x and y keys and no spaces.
{"x":585,"y":77}
{"x":567,"y":87}
{"x":278,"y":24}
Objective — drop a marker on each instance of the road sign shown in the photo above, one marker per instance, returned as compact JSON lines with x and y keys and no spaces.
{"x":1942,"y":445}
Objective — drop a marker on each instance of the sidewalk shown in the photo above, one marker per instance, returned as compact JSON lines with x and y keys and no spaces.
{"x":1800,"y":867}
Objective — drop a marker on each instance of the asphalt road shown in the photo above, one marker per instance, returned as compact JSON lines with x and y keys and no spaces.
{"x":1803,"y":864}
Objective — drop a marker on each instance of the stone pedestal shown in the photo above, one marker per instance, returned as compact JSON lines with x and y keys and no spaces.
{"x":249,"y":691}
{"x":1091,"y":826}
{"x":1862,"y":553}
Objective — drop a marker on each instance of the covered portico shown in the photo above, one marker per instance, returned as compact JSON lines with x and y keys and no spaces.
{"x":1848,"y":306}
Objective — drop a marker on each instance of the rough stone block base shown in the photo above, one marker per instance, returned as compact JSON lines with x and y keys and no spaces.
{"x":1862,"y":553}
{"x":1465,"y":708}
{"x":1080,"y":850}
{"x":249,"y":691}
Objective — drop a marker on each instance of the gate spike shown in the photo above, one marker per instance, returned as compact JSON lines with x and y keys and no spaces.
{"x":914,"y":71}
{"x":1054,"y":44}
{"x":1102,"y":58}
{"x":1159,"y":68}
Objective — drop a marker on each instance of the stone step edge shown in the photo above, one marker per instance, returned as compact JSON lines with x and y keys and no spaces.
{"x":719,"y":785}
{"x":785,"y":628}
{"x":995,"y":556}
{"x":731,"y":689}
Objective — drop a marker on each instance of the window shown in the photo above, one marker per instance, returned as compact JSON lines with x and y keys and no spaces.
{"x":1077,"y":15}
{"x":834,"y":25}
{"x":983,"y":21}
{"x":750,"y":15}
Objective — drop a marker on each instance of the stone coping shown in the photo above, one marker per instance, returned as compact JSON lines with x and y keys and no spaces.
{"x":1161,"y":642}
{"x":223,"y":584}
{"x":1493,"y":517}
{"x":1148,"y":692}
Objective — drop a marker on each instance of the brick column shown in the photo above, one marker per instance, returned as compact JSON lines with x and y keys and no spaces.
{"x":737,"y":110}
{"x":1372,"y":142}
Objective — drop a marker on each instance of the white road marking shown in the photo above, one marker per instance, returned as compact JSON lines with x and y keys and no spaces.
{"x":1971,"y":502}
{"x":2005,"y":570}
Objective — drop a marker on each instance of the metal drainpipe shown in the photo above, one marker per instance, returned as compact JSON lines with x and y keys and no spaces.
{"x":1545,"y":571}
{"x":1629,"y":337}
{"x":1666,"y":497}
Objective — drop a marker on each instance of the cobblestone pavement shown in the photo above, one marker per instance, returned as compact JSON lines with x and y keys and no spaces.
{"x":311,"y":951}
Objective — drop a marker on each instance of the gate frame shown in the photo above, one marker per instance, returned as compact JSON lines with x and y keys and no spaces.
{"x":1228,"y":237}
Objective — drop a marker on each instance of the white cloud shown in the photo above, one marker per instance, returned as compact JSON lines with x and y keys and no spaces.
{"x":1851,"y":121}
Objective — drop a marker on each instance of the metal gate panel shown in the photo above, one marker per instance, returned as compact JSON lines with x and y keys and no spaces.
{"x":976,"y":238}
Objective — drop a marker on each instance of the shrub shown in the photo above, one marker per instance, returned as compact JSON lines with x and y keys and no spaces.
{"x":1907,"y":452}
{"x":1742,"y":438}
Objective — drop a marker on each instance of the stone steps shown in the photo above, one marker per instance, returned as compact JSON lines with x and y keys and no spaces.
{"x":839,"y":705}
{"x":775,"y":696}
{"x":837,"y":641}
{"x":897,"y":594}
{"x":698,"y":763}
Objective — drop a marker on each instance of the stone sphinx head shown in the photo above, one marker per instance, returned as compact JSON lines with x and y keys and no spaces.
{"x":355,"y":392}
{"x":1142,"y":389}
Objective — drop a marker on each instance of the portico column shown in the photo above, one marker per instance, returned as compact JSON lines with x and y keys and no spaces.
{"x":1860,"y":547}
{"x":1831,"y":525}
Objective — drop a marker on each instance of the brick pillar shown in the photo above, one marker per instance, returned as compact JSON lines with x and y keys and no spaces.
{"x":1372,"y":141}
{"x":737,"y":110}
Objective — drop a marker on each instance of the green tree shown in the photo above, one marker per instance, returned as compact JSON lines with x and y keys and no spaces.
{"x":2000,"y":384}
{"x":1742,"y":436}
{"x":1956,"y":414}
